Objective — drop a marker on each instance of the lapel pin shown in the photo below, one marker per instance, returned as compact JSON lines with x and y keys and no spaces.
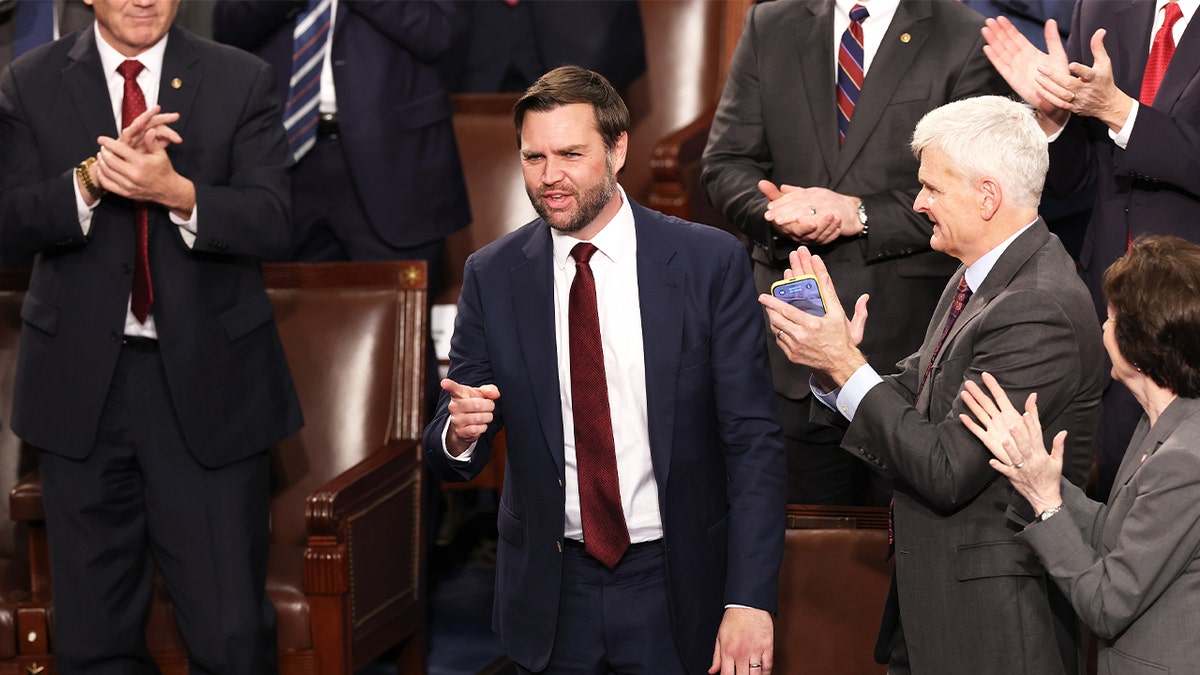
{"x":905,"y":37}
{"x":177,"y":83}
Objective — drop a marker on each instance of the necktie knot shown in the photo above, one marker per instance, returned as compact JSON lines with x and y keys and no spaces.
{"x":583,"y":252}
{"x":130,"y":69}
{"x":1173,"y":14}
{"x":858,"y":13}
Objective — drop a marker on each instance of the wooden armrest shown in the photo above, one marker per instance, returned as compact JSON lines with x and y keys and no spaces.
{"x":813,"y":517}
{"x":380,"y":472}
{"x":25,"y":499}
{"x":680,"y":147}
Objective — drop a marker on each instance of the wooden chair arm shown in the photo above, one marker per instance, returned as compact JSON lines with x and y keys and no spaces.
{"x":25,"y":499}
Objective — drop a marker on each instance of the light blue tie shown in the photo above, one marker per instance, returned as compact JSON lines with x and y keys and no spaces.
{"x":310,"y":39}
{"x":33,"y":25}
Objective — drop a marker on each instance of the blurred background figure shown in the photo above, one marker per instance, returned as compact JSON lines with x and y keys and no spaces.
{"x":1125,"y":125}
{"x":1131,"y":567}
{"x":504,"y":45}
{"x":377,"y":173}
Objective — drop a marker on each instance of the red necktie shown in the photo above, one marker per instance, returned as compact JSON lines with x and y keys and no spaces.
{"x":961,"y":295}
{"x":850,"y":69}
{"x":605,"y":535}
{"x":1160,"y":55}
{"x":132,"y":105}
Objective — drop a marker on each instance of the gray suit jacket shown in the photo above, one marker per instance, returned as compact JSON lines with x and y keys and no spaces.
{"x":971,"y":597}
{"x":778,"y":120}
{"x":1131,"y":568}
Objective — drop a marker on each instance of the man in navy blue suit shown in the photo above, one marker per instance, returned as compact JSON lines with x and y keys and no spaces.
{"x":641,"y":522}
{"x":383,"y":180}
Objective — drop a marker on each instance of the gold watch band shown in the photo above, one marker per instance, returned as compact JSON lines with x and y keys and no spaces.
{"x":85,"y":177}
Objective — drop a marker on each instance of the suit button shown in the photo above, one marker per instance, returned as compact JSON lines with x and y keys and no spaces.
{"x":560,"y":483}
{"x":559,"y":545}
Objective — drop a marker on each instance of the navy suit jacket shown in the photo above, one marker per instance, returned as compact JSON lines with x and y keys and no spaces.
{"x":1153,"y":185}
{"x":229,"y":382}
{"x":714,"y":434}
{"x":394,"y":112}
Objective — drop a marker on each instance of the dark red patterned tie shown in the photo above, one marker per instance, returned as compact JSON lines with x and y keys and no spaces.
{"x":1160,"y":54}
{"x":961,"y":295}
{"x":132,"y":105}
{"x":605,"y":535}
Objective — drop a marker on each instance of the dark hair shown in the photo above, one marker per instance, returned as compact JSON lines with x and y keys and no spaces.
{"x":573,"y":84}
{"x":1154,"y":291}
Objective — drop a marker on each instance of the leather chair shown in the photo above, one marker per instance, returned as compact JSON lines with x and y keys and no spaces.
{"x":347,"y":538}
{"x":16,"y":460}
{"x":832,"y":586}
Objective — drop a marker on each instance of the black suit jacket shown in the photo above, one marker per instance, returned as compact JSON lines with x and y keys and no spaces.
{"x":778,"y":120}
{"x":394,"y":112}
{"x":228,"y":378}
{"x":1153,"y":185}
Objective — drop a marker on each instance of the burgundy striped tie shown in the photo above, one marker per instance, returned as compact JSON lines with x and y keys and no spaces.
{"x":605,"y":535}
{"x":850,"y":71}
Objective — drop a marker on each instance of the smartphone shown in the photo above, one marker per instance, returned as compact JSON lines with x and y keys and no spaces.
{"x":802,"y":292}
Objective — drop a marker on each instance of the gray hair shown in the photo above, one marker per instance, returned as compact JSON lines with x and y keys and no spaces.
{"x":990,"y":136}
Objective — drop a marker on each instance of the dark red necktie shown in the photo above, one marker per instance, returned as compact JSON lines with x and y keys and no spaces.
{"x":1160,"y":55}
{"x":961,"y":295}
{"x":132,"y":105}
{"x":605,"y":535}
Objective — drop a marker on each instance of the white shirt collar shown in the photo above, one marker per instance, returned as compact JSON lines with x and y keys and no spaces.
{"x":614,"y":240}
{"x":152,"y":58}
{"x":976,"y":273}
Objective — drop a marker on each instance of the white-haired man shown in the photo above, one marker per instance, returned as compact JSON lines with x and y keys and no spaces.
{"x":966,"y":596}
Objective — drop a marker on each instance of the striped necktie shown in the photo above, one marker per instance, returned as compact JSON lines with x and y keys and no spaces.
{"x":850,"y":70}
{"x":309,"y":40}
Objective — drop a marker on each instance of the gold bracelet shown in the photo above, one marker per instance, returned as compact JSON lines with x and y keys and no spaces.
{"x":85,"y":177}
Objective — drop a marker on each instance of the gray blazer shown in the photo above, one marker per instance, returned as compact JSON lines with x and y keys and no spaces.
{"x":971,"y":597}
{"x":1131,"y":568}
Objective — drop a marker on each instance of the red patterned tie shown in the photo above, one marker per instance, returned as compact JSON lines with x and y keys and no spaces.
{"x":132,"y":105}
{"x":1160,"y":55}
{"x":961,"y":295}
{"x":850,"y":69}
{"x":605,"y":535}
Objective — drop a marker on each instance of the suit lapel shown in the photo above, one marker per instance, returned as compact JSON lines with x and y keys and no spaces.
{"x":1183,"y":69}
{"x":87,"y":87}
{"x":813,"y":29}
{"x":660,"y":296}
{"x":1129,"y":55}
{"x":888,"y":68}
{"x":998,"y":279}
{"x":180,"y":78}
{"x":1179,"y":410}
{"x":533,"y":307}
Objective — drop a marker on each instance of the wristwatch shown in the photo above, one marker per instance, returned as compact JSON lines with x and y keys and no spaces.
{"x":1045,"y":515}
{"x":85,"y":177}
{"x":862,"y":218}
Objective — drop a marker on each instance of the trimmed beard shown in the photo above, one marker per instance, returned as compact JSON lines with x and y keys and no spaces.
{"x":590,"y":203}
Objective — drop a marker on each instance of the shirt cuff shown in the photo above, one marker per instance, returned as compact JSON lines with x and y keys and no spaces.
{"x":852,"y":393}
{"x":1121,"y":138}
{"x":465,"y":456}
{"x":187,"y":228}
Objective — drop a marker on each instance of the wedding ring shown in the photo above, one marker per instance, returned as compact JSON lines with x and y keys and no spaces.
{"x":1018,"y":465}
{"x":756,"y":665}
{"x":1072,"y":99}
{"x":812,"y":211}
{"x":779,"y":335}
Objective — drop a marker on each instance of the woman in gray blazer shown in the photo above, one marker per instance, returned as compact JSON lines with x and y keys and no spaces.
{"x":1131,"y":567}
